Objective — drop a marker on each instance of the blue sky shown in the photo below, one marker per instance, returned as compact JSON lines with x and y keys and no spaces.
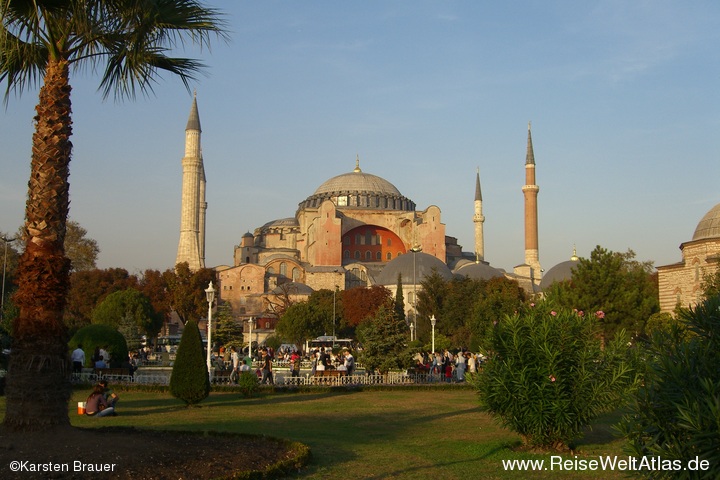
{"x":623,"y":99}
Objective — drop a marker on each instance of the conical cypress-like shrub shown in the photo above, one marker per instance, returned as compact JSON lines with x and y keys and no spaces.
{"x":189,"y":381}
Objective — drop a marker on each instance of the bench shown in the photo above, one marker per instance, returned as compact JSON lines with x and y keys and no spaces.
{"x":221,"y":376}
{"x":330,"y":373}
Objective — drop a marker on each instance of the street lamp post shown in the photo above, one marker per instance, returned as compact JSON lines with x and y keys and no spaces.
{"x":415,"y":250}
{"x":250,"y":324}
{"x":432,"y":322}
{"x":210,"y":295}
{"x":334,"y":292}
{"x":2,"y":299}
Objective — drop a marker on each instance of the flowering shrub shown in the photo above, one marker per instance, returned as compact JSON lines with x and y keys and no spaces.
{"x":677,"y":412}
{"x":547,"y":376}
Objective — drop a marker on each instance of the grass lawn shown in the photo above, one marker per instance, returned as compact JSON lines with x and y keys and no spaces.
{"x":391,"y":434}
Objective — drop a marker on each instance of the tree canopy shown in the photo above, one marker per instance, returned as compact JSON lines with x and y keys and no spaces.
{"x":385,"y":338}
{"x":187,"y":290}
{"x":131,"y":313}
{"x":79,"y":248}
{"x":624,"y":289}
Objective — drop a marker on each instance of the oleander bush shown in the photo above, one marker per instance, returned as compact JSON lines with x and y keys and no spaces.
{"x":190,"y":381}
{"x":548,"y":375}
{"x":676,"y":415}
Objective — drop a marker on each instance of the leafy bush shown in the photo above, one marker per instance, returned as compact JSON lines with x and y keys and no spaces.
{"x":676,"y":415}
{"x":189,"y":381}
{"x":248,"y":383}
{"x":384,"y":338}
{"x":99,"y":335}
{"x":547,"y":375}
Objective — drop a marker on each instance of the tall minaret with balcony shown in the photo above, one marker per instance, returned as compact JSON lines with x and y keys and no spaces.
{"x":479,"y":219}
{"x":191,"y":248}
{"x":530,"y":191}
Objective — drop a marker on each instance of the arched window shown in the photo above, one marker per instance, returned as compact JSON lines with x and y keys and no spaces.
{"x":368,"y":255}
{"x":389,"y":256}
{"x":283,"y":269}
{"x":271,"y":270}
{"x":378,"y":256}
{"x":357,"y":254}
{"x":346,"y":254}
{"x":296,"y":274}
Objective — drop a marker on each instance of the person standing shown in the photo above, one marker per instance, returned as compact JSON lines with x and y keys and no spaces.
{"x":235,"y":361}
{"x":266,"y":368}
{"x":295,"y":364}
{"x":78,"y":359}
{"x":349,"y":362}
{"x":460,"y":366}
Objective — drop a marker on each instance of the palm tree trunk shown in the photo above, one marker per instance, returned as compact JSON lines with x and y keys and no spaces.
{"x":38,"y":387}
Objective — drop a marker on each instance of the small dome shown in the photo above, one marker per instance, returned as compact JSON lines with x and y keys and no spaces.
{"x":559,"y":273}
{"x":478,"y":271}
{"x":292,"y":288}
{"x":422,"y":265}
{"x":282,"y":222}
{"x":709,"y":226}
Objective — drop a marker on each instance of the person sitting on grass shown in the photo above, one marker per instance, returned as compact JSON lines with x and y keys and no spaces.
{"x":111,"y":398}
{"x":96,"y":405}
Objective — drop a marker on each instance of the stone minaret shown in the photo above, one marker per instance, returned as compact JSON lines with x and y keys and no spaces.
{"x":191,"y":248}
{"x":478,"y":219}
{"x":530,"y":191}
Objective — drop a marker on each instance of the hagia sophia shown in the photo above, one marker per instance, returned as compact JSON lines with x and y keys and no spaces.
{"x":358,"y":229}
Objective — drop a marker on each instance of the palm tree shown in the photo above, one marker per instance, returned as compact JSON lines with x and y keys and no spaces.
{"x":42,"y":39}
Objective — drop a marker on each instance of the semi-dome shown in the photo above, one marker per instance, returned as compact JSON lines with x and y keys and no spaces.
{"x":709,"y":226}
{"x":419,"y":265}
{"x":358,"y":189}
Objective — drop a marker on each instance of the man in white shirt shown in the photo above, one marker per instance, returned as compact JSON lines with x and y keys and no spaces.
{"x":78,"y":359}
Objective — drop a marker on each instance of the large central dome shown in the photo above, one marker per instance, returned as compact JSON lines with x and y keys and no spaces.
{"x":358,"y":181}
{"x":357,"y":189}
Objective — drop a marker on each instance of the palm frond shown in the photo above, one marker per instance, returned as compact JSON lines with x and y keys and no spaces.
{"x":22,"y":64}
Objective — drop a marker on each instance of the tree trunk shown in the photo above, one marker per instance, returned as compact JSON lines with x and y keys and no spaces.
{"x":38,"y":386}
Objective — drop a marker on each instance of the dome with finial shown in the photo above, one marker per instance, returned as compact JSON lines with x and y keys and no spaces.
{"x":358,"y":189}
{"x":560,"y":272}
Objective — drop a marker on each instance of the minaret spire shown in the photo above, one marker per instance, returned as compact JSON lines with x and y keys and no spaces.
{"x":191,"y":247}
{"x":530,"y":191}
{"x":478,"y":219}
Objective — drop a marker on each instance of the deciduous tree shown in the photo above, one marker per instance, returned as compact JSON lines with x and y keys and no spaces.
{"x":187,"y":290}
{"x":360,"y":303}
{"x":88,"y":288}
{"x":81,"y":250}
{"x":131,"y":313}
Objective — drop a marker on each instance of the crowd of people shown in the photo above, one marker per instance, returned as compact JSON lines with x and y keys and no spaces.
{"x":448,"y":365}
